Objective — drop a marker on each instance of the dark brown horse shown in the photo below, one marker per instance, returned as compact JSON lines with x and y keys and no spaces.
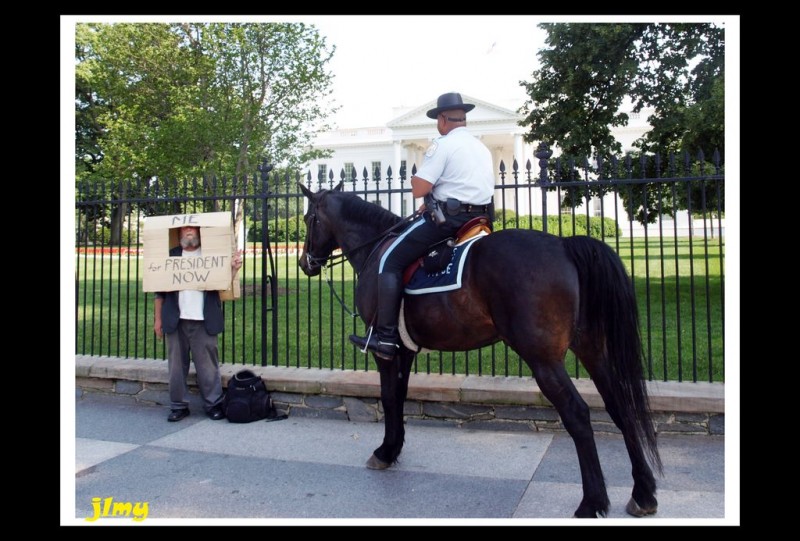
{"x":538,"y":293}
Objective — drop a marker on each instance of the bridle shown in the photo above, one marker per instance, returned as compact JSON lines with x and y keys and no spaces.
{"x":315,"y":262}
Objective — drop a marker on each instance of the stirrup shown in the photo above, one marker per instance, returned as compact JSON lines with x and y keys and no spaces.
{"x":366,"y":340}
{"x":384,"y":350}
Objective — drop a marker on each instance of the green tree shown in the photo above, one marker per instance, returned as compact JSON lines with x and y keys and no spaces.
{"x":179,"y":101}
{"x":588,"y":71}
{"x":88,"y":107}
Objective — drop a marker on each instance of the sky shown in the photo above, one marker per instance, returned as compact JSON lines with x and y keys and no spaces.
{"x":382,"y":63}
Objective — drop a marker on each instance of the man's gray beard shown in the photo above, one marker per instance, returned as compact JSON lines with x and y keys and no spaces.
{"x":189,"y":243}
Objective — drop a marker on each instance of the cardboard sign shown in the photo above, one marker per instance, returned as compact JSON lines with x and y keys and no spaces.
{"x":211,"y":271}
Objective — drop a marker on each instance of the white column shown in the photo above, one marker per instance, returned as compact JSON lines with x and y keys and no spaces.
{"x":418,"y":157}
{"x":497,"y":157}
{"x":415,"y":155}
{"x":521,"y":205}
{"x":397,"y":147}
{"x":519,"y":151}
{"x":502,"y":198}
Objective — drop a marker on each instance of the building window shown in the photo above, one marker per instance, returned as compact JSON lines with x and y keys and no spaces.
{"x":376,"y":166}
{"x":598,"y":206}
{"x":377,"y":202}
{"x":349,"y":170}
{"x":322,"y":172}
{"x":403,"y":168}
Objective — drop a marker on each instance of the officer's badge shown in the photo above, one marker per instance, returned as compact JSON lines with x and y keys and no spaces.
{"x":432,"y":149}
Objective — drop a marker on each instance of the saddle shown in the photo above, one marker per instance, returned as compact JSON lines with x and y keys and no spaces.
{"x":441,"y":253}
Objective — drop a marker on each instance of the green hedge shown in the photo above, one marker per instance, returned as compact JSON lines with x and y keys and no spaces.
{"x":594,"y":228}
{"x":504,"y":215}
{"x":102,"y":237}
{"x":283,"y":230}
{"x":294,"y":229}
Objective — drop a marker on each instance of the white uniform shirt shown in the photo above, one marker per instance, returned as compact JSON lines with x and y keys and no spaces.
{"x":459,"y":166}
{"x":190,"y":302}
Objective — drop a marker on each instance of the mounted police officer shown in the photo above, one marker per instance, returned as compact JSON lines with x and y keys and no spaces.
{"x":457,"y":181}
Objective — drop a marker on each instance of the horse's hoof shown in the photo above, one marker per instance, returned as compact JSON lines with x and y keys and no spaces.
{"x":592,"y":508}
{"x":374,"y":463}
{"x":633,"y":509}
{"x":586,"y":512}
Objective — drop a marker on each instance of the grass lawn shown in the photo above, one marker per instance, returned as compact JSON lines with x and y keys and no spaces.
{"x":679,"y":288}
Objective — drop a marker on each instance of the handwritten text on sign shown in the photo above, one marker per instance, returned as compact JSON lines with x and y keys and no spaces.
{"x":210,"y":271}
{"x":190,"y":269}
{"x":186,"y":220}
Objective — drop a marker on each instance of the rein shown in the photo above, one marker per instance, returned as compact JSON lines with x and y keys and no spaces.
{"x":343,"y":256}
{"x":333,"y":290}
{"x":326,"y":262}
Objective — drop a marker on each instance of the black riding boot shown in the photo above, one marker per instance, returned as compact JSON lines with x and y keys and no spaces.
{"x":384,"y":339}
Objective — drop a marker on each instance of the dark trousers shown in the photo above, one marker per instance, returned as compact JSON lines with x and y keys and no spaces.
{"x":192,"y":338}
{"x":415,"y":241}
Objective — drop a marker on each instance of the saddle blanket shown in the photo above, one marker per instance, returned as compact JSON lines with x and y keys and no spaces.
{"x":445,"y":280}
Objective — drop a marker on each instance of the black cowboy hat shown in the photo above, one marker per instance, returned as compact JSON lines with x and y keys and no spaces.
{"x":446,"y":102}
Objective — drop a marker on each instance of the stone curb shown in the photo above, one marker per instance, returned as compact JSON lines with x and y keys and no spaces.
{"x":468,"y":401}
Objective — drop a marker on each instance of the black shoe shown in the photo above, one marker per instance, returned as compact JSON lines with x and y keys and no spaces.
{"x":381,"y":349}
{"x":215,"y":413}
{"x":177,"y":415}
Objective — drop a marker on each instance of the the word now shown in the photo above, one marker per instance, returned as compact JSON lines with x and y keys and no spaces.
{"x":189,"y":277}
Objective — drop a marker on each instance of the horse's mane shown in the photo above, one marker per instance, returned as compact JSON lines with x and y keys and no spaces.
{"x":363,"y":212}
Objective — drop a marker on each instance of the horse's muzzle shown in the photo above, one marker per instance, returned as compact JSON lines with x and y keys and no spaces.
{"x":310,"y":266}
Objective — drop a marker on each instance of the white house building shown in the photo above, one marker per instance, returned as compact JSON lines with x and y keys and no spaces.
{"x":404,"y":139}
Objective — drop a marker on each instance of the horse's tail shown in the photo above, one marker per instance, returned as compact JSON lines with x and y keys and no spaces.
{"x":610,"y":316}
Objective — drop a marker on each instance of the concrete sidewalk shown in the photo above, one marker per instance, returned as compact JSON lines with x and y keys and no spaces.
{"x":301,"y":469}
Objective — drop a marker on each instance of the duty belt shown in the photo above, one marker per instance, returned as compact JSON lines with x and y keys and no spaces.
{"x":479,"y":209}
{"x":454,"y":207}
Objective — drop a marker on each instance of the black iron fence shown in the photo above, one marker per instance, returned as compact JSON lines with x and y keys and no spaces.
{"x":664,"y":218}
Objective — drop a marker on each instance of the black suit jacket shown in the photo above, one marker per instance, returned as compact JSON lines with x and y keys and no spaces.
{"x":171,"y":312}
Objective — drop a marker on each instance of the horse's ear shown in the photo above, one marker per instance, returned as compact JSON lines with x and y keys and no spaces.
{"x":339,"y":186}
{"x":308,"y":193}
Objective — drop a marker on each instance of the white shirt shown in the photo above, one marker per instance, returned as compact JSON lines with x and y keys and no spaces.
{"x":459,"y":166}
{"x":190,"y":302}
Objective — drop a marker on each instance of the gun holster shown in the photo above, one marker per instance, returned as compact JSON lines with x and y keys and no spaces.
{"x":432,"y":205}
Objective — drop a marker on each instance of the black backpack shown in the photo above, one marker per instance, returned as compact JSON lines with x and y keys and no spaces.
{"x":248,"y":400}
